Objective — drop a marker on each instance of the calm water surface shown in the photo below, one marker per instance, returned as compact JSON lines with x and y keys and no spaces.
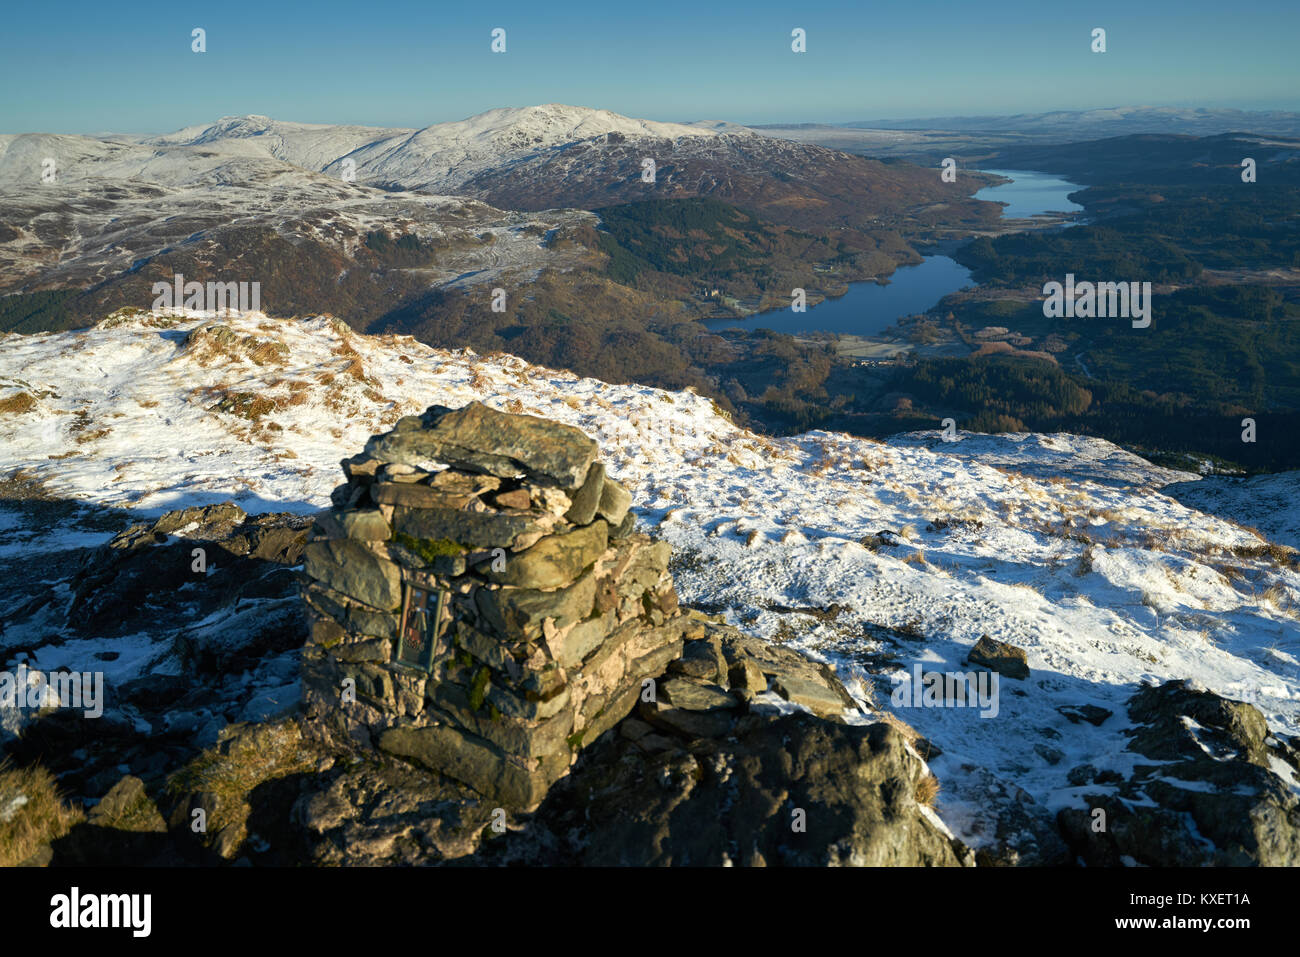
{"x":869,"y":308}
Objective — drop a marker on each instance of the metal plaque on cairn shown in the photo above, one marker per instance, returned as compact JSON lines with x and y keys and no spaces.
{"x":420,"y":637}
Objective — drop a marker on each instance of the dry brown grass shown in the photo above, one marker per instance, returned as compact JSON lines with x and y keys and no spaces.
{"x":246,"y":405}
{"x":1276,"y":554}
{"x":1231,"y":573}
{"x":267,"y":351}
{"x":215,"y":342}
{"x":1277,"y":596}
{"x":821,"y":466}
{"x":35,"y":812}
{"x":927,"y":790}
{"x":16,"y":404}
{"x":248,"y":756}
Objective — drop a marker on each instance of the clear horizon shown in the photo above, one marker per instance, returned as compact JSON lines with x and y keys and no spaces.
{"x":79,"y":68}
{"x":662,"y":119}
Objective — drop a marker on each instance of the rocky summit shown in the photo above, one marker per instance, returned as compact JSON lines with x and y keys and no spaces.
{"x":482,"y":612}
{"x":492,"y":667}
{"x":479,"y":603}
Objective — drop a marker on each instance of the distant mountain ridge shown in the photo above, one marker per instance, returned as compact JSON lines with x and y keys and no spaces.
{"x":1112,"y":121}
{"x":296,"y":202}
{"x":554,"y":155}
{"x":437,"y":158}
{"x":928,"y":140}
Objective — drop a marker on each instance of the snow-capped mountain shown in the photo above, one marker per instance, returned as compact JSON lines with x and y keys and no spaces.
{"x":549,"y":156}
{"x":312,"y":146}
{"x":872,"y":556}
{"x":113,"y":213}
{"x":250,"y":198}
{"x":439,"y":158}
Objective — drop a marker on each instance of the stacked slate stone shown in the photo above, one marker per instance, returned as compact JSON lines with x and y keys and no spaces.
{"x":479,"y":602}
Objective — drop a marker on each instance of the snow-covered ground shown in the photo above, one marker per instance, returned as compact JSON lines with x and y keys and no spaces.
{"x":438,"y":158}
{"x":907,"y":551}
{"x":112,"y":205}
{"x":1270,"y":503}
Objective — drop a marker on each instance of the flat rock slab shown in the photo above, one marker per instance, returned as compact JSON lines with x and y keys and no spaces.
{"x":362,"y":525}
{"x":519,"y":612}
{"x":420,"y":496}
{"x":469,"y":529}
{"x":587,"y":498}
{"x":555,"y":560}
{"x":1003,"y":658}
{"x":702,"y":660}
{"x":682,"y":693}
{"x":481,"y":439}
{"x":571,"y":647}
{"x":355,"y":571}
{"x":468,"y":758}
{"x":615,"y":500}
{"x":812,"y":691}
{"x":689,"y":724}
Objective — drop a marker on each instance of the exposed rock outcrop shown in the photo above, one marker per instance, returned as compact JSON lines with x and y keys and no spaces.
{"x":549,"y":622}
{"x":1210,"y":792}
{"x":736,"y":776}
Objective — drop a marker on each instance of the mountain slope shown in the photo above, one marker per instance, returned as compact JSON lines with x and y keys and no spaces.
{"x":874,"y":556}
{"x":119,"y":217}
{"x":253,"y":199}
{"x":543,"y":157}
{"x":437,"y":158}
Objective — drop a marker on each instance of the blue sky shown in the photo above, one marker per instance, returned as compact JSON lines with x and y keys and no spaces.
{"x":80,"y":67}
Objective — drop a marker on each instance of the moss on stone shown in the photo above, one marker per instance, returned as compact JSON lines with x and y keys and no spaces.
{"x":429,"y":548}
{"x":478,"y":689}
{"x":246,"y":756}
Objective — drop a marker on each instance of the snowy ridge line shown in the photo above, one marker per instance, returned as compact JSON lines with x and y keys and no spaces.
{"x":890,"y":553}
{"x":443,"y":156}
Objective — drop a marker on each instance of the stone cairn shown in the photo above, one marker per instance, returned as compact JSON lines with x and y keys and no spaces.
{"x":479,"y":603}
